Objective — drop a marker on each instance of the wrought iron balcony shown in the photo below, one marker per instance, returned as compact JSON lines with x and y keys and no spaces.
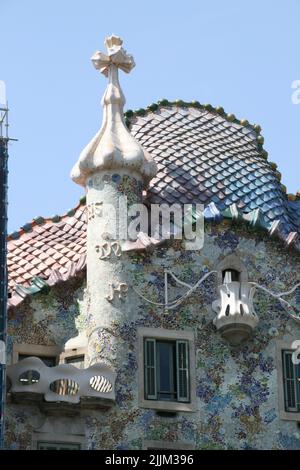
{"x":31,"y":379}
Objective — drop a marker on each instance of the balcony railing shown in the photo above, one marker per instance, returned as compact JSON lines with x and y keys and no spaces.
{"x":63,"y":383}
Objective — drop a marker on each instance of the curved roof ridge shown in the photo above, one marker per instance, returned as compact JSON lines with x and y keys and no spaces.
{"x":203,"y":156}
{"x":39,"y":220}
{"x":219,"y":110}
{"x":254,"y":220}
{"x":222,"y":143}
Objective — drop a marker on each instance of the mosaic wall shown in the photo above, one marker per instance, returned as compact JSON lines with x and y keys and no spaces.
{"x":237,"y":389}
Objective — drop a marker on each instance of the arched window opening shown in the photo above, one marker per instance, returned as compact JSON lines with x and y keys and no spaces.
{"x":230,"y":275}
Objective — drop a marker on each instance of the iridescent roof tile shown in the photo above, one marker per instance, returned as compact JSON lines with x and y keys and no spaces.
{"x":202,"y":157}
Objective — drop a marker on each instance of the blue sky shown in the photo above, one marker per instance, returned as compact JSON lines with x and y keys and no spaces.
{"x":243,"y":56}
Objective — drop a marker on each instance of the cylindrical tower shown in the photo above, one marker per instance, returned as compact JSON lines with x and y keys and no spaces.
{"x":114,"y":169}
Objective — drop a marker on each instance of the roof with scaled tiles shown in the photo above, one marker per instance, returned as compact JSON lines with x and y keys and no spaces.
{"x":203,"y":155}
{"x":46,"y":249}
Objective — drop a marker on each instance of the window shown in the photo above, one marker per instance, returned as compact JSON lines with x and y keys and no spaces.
{"x":288,"y":381}
{"x":49,"y":361}
{"x":60,"y":434}
{"x":230,"y":275}
{"x":51,"y":355}
{"x":231,"y":269}
{"x":57,"y":446}
{"x":166,"y":370}
{"x":76,"y":361}
{"x":48,"y":354}
{"x":291,"y":379}
{"x":163,"y":445}
{"x":75,"y":356}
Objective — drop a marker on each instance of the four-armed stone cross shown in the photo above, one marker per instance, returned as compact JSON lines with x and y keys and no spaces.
{"x":116,"y":55}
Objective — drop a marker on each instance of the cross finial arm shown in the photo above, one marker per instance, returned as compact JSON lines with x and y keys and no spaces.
{"x":116,"y":55}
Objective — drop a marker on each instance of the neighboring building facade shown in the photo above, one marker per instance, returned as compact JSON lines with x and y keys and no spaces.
{"x":145,"y":344}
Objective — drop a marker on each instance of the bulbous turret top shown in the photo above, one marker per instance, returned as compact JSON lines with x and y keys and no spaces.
{"x":113,"y":147}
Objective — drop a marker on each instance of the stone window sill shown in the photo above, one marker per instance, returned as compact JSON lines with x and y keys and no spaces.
{"x":168,"y":406}
{"x":289,"y":416}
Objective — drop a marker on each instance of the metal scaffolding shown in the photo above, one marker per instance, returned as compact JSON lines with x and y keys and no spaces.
{"x":3,"y":268}
{"x":4,"y":140}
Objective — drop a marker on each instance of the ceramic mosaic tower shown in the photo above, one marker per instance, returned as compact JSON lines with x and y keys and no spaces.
{"x":114,"y":169}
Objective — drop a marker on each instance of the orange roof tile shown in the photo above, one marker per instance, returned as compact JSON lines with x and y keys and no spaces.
{"x":46,"y":246}
{"x":202,"y":155}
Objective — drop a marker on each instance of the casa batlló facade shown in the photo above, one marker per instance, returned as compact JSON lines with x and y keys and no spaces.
{"x":147,"y":343}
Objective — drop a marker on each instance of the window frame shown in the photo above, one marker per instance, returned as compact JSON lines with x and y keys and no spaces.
{"x":74,"y":352}
{"x":35,"y":350}
{"x":58,"y":438}
{"x":58,"y":443}
{"x":174,"y":370}
{"x":228,"y":263}
{"x":167,"y":335}
{"x":177,"y":445}
{"x":230,"y":273}
{"x":282,"y":346}
{"x":38,"y":350}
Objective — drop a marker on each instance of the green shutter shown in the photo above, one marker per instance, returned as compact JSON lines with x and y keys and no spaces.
{"x":150,"y":369}
{"x":182,"y":359}
{"x":290,"y":382}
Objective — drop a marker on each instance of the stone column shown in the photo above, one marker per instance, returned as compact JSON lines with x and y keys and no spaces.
{"x":114,"y":169}
{"x":108,"y":283}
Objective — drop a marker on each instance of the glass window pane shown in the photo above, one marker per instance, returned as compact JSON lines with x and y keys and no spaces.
{"x":230,"y":275}
{"x":150,"y":369}
{"x":49,"y":361}
{"x":57,"y":446}
{"x":182,"y":371}
{"x":290,"y":382}
{"x":76,"y":361}
{"x":298,"y":385}
{"x":166,"y":353}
